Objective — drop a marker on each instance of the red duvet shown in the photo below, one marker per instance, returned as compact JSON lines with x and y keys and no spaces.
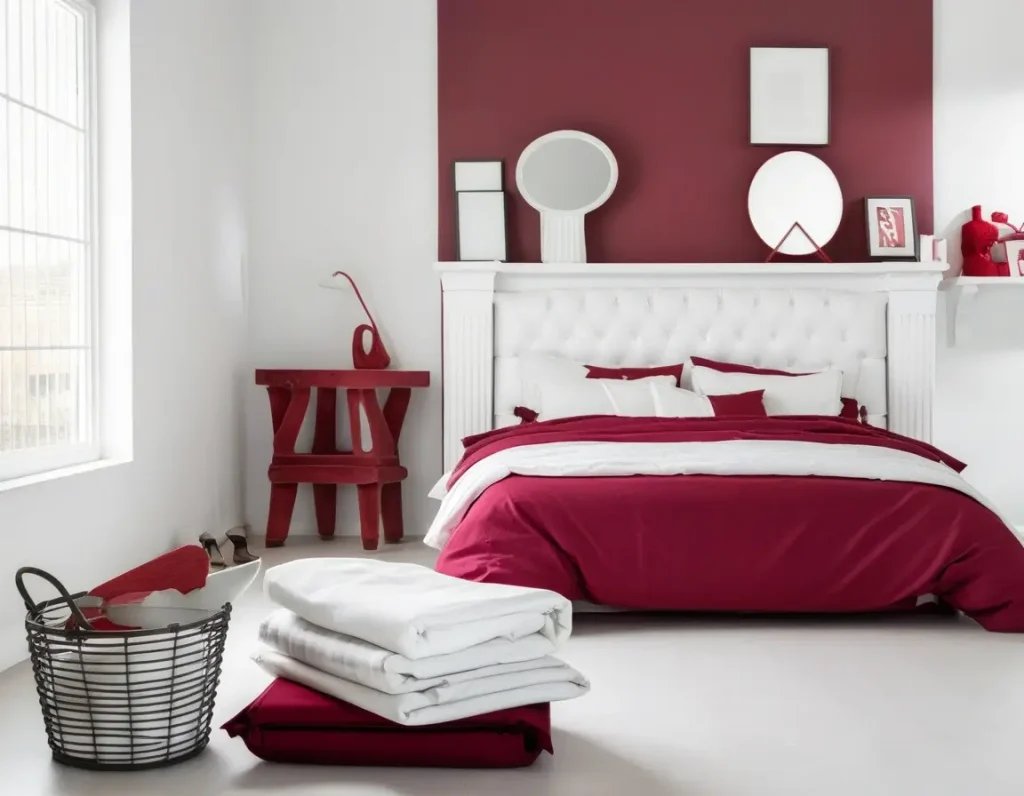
{"x":737,"y":542}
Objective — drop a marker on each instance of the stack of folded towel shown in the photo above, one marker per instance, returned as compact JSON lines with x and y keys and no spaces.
{"x":412,"y":645}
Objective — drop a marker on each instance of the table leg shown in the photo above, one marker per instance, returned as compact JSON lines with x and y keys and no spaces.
{"x":369,"y":515}
{"x":391,"y":512}
{"x":279,"y":518}
{"x":325,"y":499}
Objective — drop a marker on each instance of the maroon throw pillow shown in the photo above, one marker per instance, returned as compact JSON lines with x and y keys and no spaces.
{"x":525,"y":415}
{"x":851,"y":409}
{"x":744,"y":404}
{"x":631,"y":374}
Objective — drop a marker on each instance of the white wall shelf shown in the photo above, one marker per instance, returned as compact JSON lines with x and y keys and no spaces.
{"x":960,"y":290}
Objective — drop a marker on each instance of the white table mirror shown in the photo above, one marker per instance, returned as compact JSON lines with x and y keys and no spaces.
{"x":565,"y":175}
{"x":795,"y":188}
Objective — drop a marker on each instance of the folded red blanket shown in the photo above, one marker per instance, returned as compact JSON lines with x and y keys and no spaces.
{"x":289,"y":723}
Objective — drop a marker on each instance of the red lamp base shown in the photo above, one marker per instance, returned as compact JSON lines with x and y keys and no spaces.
{"x":374,"y":358}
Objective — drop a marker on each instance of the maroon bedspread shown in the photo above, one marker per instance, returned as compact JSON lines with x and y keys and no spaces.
{"x":289,"y":723}
{"x":737,"y":543}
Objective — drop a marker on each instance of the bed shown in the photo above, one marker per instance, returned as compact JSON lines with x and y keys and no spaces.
{"x":781,"y":513}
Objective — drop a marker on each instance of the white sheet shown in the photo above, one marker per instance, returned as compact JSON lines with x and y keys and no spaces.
{"x":412,"y":610}
{"x":386,"y":671}
{"x":444,"y":703}
{"x":729,"y":457}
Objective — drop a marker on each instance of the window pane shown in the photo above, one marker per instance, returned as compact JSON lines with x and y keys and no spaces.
{"x":47,"y":346}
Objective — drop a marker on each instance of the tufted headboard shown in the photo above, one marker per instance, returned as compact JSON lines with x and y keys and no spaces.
{"x":874,"y":321}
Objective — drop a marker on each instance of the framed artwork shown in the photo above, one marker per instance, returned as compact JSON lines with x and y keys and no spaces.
{"x":789,"y":96}
{"x":480,"y":210}
{"x":892,"y":227}
{"x":481,"y":223}
{"x":1015,"y":258}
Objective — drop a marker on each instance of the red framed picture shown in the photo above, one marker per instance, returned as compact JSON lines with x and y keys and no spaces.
{"x":1015,"y":257}
{"x":892,"y":227}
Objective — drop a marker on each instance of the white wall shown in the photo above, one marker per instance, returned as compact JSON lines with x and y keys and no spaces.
{"x":188,"y":326}
{"x":343,"y":172}
{"x":979,"y":159}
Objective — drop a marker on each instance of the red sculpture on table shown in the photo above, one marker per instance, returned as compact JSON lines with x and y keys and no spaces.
{"x":377,"y":356}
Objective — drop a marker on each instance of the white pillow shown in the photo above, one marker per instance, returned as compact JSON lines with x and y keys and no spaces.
{"x":814,"y":394}
{"x":576,"y":398}
{"x":440,"y":489}
{"x":674,"y":402}
{"x":538,"y":369}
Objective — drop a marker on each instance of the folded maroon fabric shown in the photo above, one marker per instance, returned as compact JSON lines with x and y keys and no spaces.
{"x":289,"y":723}
{"x":630,"y":374}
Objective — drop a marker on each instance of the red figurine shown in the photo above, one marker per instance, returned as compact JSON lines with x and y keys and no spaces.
{"x":376,"y":357}
{"x":979,"y":236}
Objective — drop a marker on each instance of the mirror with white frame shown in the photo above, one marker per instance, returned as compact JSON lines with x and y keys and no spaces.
{"x":795,"y":188}
{"x":565,"y":175}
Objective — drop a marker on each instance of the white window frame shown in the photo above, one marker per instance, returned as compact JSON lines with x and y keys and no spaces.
{"x":44,"y":459}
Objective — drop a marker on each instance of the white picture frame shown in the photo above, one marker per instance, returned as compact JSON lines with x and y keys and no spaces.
{"x":1015,"y":258}
{"x":479,"y":175}
{"x":789,"y":96}
{"x":480,"y":220}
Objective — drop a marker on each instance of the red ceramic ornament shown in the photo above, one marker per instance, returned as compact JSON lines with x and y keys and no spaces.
{"x":375,"y":357}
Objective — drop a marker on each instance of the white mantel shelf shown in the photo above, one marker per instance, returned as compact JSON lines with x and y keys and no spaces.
{"x":693,"y":268}
{"x":959,"y":288}
{"x":836,"y":276}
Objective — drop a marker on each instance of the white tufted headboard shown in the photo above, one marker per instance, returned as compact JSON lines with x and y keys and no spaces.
{"x":874,"y":321}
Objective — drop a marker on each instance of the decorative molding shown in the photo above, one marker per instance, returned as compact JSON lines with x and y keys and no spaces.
{"x":468,"y":358}
{"x":469,"y":288}
{"x":911,"y":362}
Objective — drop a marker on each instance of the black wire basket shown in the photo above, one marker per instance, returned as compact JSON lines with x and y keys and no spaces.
{"x":122,"y":700}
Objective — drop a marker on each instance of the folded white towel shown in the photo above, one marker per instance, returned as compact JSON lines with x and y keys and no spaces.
{"x":443,"y":703}
{"x":413,"y":610}
{"x":367,"y":664}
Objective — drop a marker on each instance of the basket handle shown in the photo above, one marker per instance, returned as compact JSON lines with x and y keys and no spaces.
{"x":19,"y":581}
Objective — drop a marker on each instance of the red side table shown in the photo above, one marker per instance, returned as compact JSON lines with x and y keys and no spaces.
{"x":376,"y":471}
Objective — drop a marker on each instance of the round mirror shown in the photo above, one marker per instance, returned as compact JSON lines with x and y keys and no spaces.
{"x":567,"y":172}
{"x":564,"y":176}
{"x":795,"y":188}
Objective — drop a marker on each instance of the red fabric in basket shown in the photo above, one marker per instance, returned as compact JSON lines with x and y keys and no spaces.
{"x":289,"y":723}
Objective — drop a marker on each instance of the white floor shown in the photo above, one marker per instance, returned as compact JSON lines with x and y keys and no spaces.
{"x":679,"y":706}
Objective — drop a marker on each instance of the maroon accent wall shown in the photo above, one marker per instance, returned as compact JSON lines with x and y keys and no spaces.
{"x":665,"y":84}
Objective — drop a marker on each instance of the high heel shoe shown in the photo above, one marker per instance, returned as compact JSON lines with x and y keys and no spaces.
{"x":212,"y":551}
{"x":240,"y":542}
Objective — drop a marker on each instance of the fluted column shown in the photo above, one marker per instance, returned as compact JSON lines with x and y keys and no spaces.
{"x":468,"y":351}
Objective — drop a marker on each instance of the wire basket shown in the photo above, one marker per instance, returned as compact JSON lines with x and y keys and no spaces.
{"x":122,"y":700}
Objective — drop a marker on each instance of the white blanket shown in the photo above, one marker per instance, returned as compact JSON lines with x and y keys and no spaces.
{"x":412,"y":610}
{"x":552,"y":683}
{"x":367,"y":664}
{"x":729,"y":457}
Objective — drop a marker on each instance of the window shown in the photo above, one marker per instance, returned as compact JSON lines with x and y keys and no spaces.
{"x":48,"y":251}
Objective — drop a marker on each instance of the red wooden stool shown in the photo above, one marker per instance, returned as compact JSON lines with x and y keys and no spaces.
{"x":376,"y":471}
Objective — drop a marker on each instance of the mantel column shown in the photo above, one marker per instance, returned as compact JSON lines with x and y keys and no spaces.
{"x":911,"y":344}
{"x":468,"y":355}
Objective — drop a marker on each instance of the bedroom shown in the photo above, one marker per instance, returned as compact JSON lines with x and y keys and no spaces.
{"x":273,"y":143}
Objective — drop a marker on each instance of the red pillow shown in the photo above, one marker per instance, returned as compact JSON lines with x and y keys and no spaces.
{"x":525,"y":415}
{"x":744,"y":404}
{"x":851,"y":409}
{"x":631,"y":374}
